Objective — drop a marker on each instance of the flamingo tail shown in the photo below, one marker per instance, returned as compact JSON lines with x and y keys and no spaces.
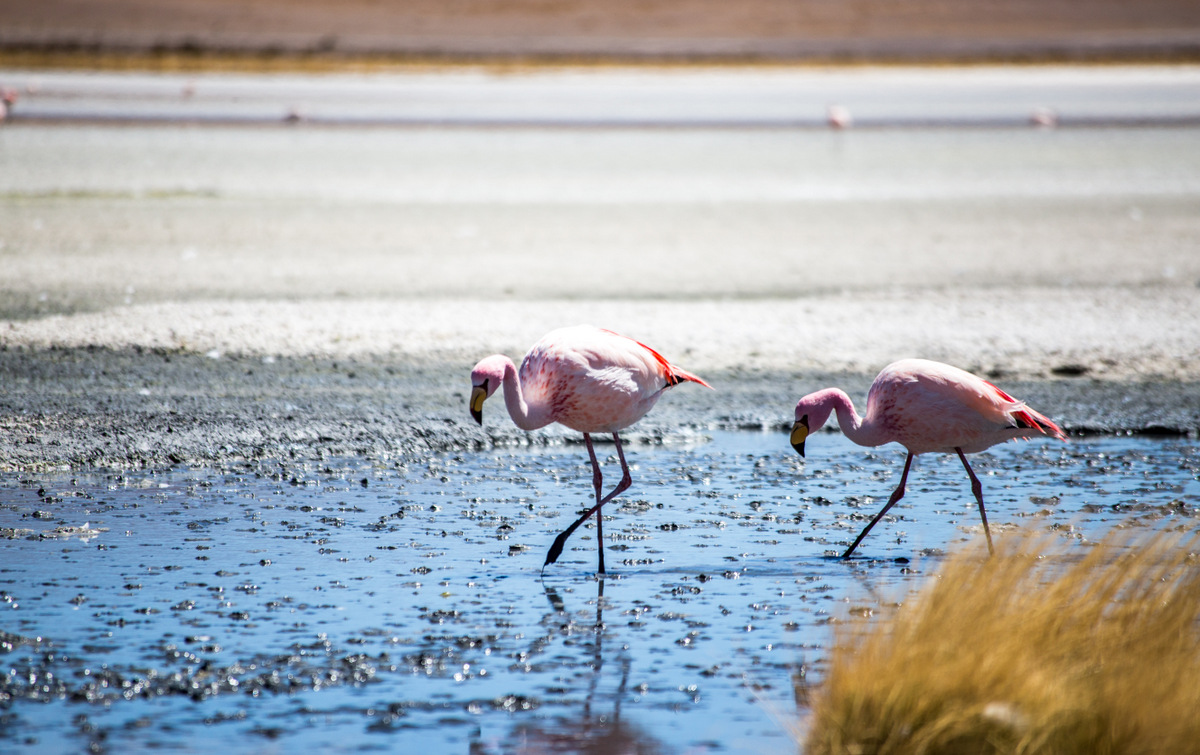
{"x":674,"y":375}
{"x":1027,"y":417}
{"x":1031,"y":419}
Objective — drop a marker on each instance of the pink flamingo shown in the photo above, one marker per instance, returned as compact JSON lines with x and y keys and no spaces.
{"x":8,"y":98}
{"x":927,"y":407}
{"x":588,"y":379}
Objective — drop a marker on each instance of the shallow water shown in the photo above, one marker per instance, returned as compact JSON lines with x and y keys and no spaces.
{"x":359,"y":606}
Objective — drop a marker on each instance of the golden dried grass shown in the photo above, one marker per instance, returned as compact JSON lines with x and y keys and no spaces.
{"x":1027,"y":653}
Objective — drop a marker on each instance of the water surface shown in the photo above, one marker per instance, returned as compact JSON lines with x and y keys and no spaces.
{"x":357,"y":606}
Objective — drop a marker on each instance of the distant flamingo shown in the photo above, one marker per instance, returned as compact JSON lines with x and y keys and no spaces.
{"x":838,"y":117}
{"x":927,"y":407}
{"x":8,"y":98}
{"x":588,"y":379}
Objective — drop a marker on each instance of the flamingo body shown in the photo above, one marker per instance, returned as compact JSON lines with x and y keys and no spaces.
{"x":927,"y":407}
{"x":585,"y":378}
{"x":933,"y":407}
{"x":595,"y":381}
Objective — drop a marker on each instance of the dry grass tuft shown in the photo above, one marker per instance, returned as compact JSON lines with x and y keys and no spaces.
{"x":1024,"y":653}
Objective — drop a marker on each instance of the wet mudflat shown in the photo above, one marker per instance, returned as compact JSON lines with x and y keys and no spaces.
{"x":361,"y":605}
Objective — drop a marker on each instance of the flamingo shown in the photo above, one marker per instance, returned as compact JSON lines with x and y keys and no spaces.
{"x":927,"y":407}
{"x":585,"y":378}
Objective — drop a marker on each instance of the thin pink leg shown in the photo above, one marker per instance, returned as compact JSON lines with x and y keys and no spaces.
{"x":597,"y":482}
{"x":977,"y":489}
{"x":626,"y":479}
{"x":556,"y":547}
{"x":897,"y":494}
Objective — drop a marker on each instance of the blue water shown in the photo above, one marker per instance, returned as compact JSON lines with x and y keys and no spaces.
{"x":358,"y":606}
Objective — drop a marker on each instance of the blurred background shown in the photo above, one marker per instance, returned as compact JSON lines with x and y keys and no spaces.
{"x":689,"y":148}
{"x":662,"y":30}
{"x":951,"y":179}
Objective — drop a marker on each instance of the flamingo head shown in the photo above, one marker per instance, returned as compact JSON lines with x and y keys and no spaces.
{"x":811,"y":413}
{"x":485,"y":379}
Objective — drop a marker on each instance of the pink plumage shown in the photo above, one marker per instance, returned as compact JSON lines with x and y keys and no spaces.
{"x":585,"y":378}
{"x":927,"y":407}
{"x":933,"y":407}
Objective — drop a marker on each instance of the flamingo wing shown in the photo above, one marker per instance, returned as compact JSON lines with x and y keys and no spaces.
{"x":929,"y":406}
{"x":673,"y":374}
{"x":1024,"y":417}
{"x":594,"y":380}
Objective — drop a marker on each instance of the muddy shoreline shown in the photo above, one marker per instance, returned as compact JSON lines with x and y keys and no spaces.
{"x":96,"y":408}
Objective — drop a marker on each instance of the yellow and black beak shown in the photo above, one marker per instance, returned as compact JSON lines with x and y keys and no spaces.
{"x":478,"y":396}
{"x":799,"y":434}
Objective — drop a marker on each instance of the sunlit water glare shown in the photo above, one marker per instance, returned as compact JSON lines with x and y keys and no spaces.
{"x":356,"y":606}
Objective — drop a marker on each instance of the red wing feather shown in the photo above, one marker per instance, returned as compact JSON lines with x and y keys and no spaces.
{"x":1027,"y":417}
{"x":674,"y":375}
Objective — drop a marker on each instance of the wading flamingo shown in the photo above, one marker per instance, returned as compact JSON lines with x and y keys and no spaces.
{"x":927,"y":407}
{"x":587,"y":379}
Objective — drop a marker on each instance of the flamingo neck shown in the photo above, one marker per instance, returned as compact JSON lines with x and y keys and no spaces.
{"x":523,"y":416}
{"x":863,"y":432}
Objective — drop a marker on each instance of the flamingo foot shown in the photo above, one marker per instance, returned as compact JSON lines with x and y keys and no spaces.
{"x":556,"y":549}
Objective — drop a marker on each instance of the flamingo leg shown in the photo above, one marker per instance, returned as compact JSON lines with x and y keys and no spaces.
{"x":597,"y":483}
{"x":897,"y":494}
{"x":556,"y":547}
{"x":626,"y":479}
{"x":977,"y":489}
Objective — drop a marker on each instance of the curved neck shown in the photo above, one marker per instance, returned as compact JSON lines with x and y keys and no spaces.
{"x":522,"y":415}
{"x":862,"y":432}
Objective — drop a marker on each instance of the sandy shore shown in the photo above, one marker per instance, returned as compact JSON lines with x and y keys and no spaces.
{"x":1114,"y":334}
{"x":202,"y":381}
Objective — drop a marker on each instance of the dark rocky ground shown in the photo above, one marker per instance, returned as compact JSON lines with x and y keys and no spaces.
{"x":79,"y":408}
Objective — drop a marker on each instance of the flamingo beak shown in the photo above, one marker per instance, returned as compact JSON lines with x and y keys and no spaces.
{"x":478,"y":396}
{"x":799,"y":434}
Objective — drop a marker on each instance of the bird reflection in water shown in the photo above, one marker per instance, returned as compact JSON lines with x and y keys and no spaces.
{"x":596,"y":725}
